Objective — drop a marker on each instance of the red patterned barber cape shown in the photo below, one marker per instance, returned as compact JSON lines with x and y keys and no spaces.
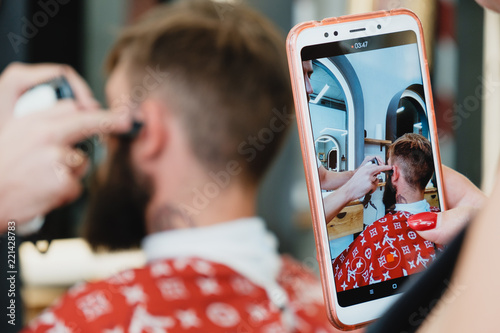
{"x":186,"y":295}
{"x":385,"y":250}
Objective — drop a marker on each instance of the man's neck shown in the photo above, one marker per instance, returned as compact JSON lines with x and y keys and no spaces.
{"x":407,"y":195}
{"x":200,"y":209}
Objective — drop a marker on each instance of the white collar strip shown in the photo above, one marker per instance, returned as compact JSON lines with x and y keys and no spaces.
{"x":414,"y":207}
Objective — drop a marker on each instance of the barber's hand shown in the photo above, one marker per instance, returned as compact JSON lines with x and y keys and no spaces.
{"x":463,"y":200}
{"x":39,"y":168}
{"x":370,"y":158}
{"x":364,"y":180}
{"x":17,"y":78}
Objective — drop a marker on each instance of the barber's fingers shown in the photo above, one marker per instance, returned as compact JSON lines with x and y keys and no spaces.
{"x":69,"y":127}
{"x":380,"y":162}
{"x":376,"y":169}
{"x":83,"y":93}
{"x":369,"y":172}
{"x":366,"y":160}
{"x":373,"y":186}
{"x":369,"y":159}
{"x":372,"y":172}
{"x":17,"y":78}
{"x":442,"y":227}
{"x":55,"y":113}
{"x":59,"y":177}
{"x":76,"y":161}
{"x":67,"y":186}
{"x":66,"y":124}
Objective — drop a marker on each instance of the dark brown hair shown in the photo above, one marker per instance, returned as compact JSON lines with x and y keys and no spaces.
{"x":414,"y":153}
{"x":227,"y":78}
{"x":115,"y":218}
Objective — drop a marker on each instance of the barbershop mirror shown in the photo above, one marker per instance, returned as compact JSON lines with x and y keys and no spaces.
{"x":327,"y":148}
{"x":406,"y":113}
{"x":327,"y":105}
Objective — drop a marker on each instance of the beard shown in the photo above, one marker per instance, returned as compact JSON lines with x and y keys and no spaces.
{"x":115,"y":218}
{"x":389,"y":198}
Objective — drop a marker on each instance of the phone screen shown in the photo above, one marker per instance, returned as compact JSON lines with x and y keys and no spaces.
{"x":366,"y":99}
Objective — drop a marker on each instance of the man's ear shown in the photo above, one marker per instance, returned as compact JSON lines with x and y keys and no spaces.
{"x":151,"y":139}
{"x":396,"y":173}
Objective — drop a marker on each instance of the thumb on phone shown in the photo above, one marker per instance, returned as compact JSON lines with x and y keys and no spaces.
{"x":441,"y":228}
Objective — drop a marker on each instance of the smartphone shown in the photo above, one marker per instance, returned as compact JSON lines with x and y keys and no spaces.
{"x":362,"y":90}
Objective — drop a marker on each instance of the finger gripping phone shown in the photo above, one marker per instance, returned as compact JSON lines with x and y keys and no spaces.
{"x":361,"y":88}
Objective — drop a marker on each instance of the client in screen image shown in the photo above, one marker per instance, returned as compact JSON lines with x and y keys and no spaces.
{"x":389,"y":248}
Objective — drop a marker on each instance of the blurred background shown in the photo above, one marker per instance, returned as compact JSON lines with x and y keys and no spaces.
{"x":463,"y":49}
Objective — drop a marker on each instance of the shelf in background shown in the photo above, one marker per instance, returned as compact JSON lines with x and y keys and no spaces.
{"x":377,"y":142}
{"x":382,"y":143}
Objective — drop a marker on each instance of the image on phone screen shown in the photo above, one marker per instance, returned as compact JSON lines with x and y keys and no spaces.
{"x":367,"y":100}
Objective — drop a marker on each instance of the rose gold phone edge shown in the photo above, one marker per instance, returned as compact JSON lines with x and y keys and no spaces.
{"x":305,"y":133}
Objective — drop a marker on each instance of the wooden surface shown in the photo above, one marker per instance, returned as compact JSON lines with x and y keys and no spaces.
{"x":38,"y":298}
{"x":349,"y":221}
{"x":378,"y":142}
{"x":382,"y":143}
{"x":431,"y":196}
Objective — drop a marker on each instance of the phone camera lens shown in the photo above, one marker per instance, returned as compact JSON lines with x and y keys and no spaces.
{"x":379,"y":26}
{"x":326,"y":35}
{"x":336,"y":33}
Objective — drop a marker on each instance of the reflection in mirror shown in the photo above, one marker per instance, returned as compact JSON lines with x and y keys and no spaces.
{"x":411,"y":115}
{"x":329,"y":118}
{"x":327,"y":150}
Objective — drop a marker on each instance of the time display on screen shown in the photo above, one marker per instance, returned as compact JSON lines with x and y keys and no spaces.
{"x":360,"y":45}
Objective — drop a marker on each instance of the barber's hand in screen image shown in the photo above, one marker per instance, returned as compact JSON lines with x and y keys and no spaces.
{"x":368,"y":159}
{"x":40,"y":169}
{"x":463,"y":200}
{"x":365,"y":179}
